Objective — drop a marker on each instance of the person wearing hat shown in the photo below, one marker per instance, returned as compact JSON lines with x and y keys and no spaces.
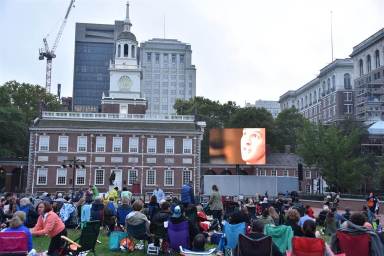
{"x":16,"y":224}
{"x":178,"y":217}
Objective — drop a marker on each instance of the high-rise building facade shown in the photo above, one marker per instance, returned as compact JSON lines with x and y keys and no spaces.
{"x":272,"y":106}
{"x":168,"y":74}
{"x":165,"y":66}
{"x":368,"y":62}
{"x":327,"y":98}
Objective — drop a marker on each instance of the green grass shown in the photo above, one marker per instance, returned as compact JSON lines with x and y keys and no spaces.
{"x":41,"y":244}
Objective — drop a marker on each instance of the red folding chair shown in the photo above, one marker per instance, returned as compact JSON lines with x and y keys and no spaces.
{"x":304,"y":246}
{"x":13,"y":243}
{"x":353,"y":245}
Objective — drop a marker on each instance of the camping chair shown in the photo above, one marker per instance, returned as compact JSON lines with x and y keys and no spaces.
{"x":13,"y":243}
{"x":354,"y":245}
{"x":281,"y":236}
{"x":231,"y":236}
{"x":186,"y":252}
{"x":178,"y":235}
{"x":254,"y":247}
{"x":86,"y":242}
{"x":138,"y":232}
{"x":304,"y":246}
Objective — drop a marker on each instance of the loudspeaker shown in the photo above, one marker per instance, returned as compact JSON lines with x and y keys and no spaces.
{"x":300,"y":171}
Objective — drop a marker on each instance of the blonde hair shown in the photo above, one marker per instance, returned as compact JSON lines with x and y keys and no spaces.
{"x":273,"y":213}
{"x":293,"y":215}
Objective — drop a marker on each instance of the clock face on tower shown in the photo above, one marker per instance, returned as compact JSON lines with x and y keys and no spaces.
{"x":125,"y":83}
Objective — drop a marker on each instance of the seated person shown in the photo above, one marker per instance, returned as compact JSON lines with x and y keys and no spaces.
{"x":356,"y":226}
{"x":293,"y":217}
{"x":257,"y":228}
{"x":16,"y":224}
{"x":178,"y":217}
{"x":240,"y":216}
{"x":157,"y":224}
{"x":136,"y":217}
{"x":198,"y":243}
{"x":309,"y":230}
{"x":266,"y":218}
{"x":123,"y":210}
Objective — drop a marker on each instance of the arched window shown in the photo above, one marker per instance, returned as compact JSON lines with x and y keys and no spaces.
{"x":323,"y":88}
{"x":347,"y":81}
{"x":333,"y":83}
{"x":314,"y":97}
{"x":377,"y":59}
{"x":328,"y":85}
{"x":361,"y":67}
{"x":310,"y":98}
{"x":125,"y":50}
{"x":369,"y":68}
{"x":319,"y":92}
{"x":119,"y":50}
{"x":133,"y":51}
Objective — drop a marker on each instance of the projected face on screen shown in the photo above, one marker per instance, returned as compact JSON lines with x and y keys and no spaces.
{"x":253,"y":145}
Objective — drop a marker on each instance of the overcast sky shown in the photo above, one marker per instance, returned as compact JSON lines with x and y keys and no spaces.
{"x":243,"y":50}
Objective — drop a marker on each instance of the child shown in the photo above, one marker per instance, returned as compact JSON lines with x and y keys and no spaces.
{"x":198,"y":243}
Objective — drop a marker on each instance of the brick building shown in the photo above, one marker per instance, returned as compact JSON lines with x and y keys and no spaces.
{"x":162,"y":151}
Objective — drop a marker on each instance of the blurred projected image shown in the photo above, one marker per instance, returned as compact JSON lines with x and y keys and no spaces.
{"x":237,"y":146}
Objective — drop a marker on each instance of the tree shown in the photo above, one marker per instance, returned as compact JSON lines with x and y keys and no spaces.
{"x":287,"y":125}
{"x":20,"y":104}
{"x":27,"y":98}
{"x":334,"y":153}
{"x":13,"y":133}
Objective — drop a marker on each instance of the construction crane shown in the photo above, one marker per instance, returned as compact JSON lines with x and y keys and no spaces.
{"x":49,"y":54}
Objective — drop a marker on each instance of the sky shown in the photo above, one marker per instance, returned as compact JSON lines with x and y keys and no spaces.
{"x":243,"y":50}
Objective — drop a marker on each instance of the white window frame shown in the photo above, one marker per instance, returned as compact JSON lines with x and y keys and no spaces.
{"x":185,"y":171}
{"x":100,"y":143}
{"x":44,"y":143}
{"x":307,"y":174}
{"x":133,"y":144}
{"x":273,"y":172}
{"x":286,"y":173}
{"x":62,"y":145}
{"x":307,"y":188}
{"x":348,"y":96}
{"x":151,"y":145}
{"x":78,"y":171}
{"x":130,"y":171}
{"x":99,"y":184}
{"x":169,"y":146}
{"x":147,"y":177}
{"x":61,"y":176}
{"x":187,"y":146}
{"x":82,"y":144}
{"x":166,"y":171}
{"x":117,"y":144}
{"x":38,"y":175}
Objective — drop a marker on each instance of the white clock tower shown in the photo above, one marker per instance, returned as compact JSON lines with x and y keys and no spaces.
{"x":125,"y":72}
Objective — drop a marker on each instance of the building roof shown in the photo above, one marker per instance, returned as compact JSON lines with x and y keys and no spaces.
{"x":376,"y":128}
{"x":379,"y":35}
{"x":127,"y":35}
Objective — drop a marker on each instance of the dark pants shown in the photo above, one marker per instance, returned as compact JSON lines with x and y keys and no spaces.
{"x":56,"y":243}
{"x":216,"y":214}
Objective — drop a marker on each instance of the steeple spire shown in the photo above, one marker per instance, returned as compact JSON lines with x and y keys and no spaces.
{"x":127,"y":21}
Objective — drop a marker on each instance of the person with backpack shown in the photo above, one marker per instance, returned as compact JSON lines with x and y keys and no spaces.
{"x":371,"y":204}
{"x":187,"y":196}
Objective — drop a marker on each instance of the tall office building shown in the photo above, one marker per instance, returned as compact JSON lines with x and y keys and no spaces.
{"x":168,"y":74}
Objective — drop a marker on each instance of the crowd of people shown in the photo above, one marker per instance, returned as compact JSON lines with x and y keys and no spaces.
{"x":52,"y":215}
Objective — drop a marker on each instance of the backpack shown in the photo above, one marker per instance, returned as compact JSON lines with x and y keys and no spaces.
{"x":371,"y":203}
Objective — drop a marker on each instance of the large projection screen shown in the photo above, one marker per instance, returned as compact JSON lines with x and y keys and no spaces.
{"x":237,"y":146}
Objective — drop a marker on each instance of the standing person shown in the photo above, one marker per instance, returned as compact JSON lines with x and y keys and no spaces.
{"x":153,"y":207}
{"x":215,"y":203}
{"x":114,"y":194}
{"x":50,"y":224}
{"x":158,"y":192}
{"x":187,"y":196}
{"x":371,"y":203}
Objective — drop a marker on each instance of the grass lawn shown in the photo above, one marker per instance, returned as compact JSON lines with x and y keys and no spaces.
{"x":41,"y":244}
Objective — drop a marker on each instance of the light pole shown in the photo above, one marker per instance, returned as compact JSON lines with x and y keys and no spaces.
{"x":73,"y":163}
